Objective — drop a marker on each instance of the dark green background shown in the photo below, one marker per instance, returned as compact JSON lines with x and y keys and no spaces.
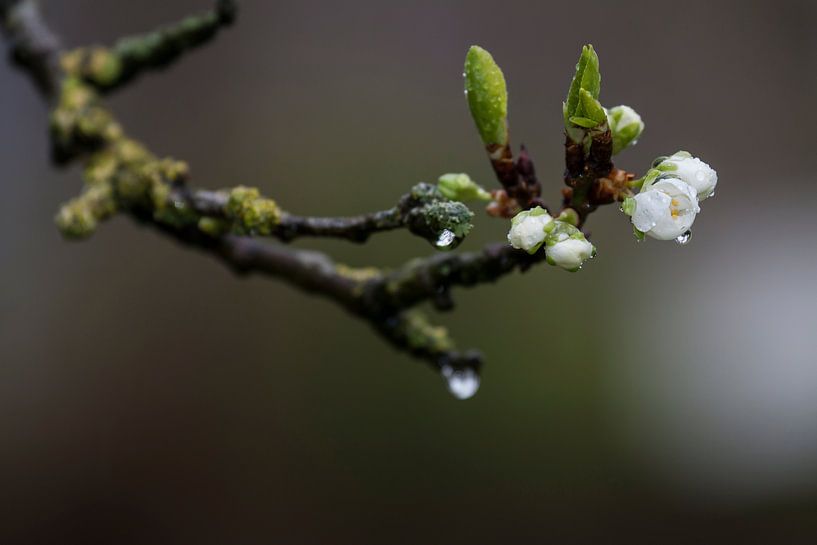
{"x":664,"y":394}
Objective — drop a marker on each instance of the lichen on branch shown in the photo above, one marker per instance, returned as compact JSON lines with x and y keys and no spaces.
{"x":121,"y":175}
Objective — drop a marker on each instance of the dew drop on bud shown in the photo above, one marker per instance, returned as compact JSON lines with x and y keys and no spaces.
{"x":683,"y":239}
{"x":462,"y":383}
{"x":446,"y":239}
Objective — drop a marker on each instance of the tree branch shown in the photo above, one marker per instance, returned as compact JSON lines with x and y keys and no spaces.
{"x":33,"y":46}
{"x":123,"y":175}
{"x":110,"y":68}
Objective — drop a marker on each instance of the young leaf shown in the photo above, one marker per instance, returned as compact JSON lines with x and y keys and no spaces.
{"x":591,"y":108}
{"x":587,"y":78}
{"x":487,"y":96}
{"x":584,"y":122}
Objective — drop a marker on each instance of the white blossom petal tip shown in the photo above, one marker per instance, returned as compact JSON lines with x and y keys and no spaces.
{"x":693,"y":171}
{"x":528,"y":229}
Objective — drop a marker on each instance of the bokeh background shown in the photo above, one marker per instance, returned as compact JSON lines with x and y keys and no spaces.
{"x":664,"y":394}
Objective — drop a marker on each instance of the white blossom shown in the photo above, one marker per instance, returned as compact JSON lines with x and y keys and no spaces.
{"x":693,"y":171}
{"x":528,"y":229}
{"x":625,"y":125}
{"x":570,"y":252}
{"x":666,"y":209}
{"x":566,"y":246}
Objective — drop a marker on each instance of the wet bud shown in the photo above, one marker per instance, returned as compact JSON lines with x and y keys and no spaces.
{"x":626,"y":126}
{"x":664,"y":210}
{"x":691,"y":170}
{"x":460,"y":187}
{"x":487,"y":96}
{"x":528,"y":229}
{"x":567,"y":247}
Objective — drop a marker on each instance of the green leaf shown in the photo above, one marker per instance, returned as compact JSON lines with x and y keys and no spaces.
{"x":588,"y":78}
{"x":585,"y":122}
{"x":591,"y":108}
{"x":487,"y":96}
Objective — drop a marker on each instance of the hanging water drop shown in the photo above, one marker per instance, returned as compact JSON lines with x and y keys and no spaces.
{"x":462,"y":383}
{"x":683,"y":239}
{"x":446,"y":239}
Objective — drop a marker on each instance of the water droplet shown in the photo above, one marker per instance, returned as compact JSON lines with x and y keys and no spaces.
{"x":683,"y":239}
{"x":462,"y":383}
{"x":446,"y":239}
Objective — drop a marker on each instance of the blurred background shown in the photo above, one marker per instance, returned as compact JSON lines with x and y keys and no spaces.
{"x":664,"y":394}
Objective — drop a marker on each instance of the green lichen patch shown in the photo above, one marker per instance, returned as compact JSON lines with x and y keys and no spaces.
{"x":251,"y":213}
{"x":79,"y":217}
{"x":358,"y":274}
{"x":79,"y":122}
{"x":452,"y":216}
{"x":422,"y":336}
{"x":98,"y":65}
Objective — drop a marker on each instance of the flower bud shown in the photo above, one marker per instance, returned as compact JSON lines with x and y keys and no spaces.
{"x":528,"y":229}
{"x":691,"y":170}
{"x":626,"y":126}
{"x":665,"y":209}
{"x":567,"y":247}
{"x":487,"y":96}
{"x":460,"y":187}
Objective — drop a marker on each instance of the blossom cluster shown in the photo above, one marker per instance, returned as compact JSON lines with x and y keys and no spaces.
{"x":565,"y":245}
{"x":670,"y":197}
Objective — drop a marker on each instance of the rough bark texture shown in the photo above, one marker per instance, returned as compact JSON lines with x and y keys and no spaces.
{"x":122,"y":175}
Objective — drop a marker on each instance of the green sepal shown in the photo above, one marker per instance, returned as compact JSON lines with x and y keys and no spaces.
{"x":628,"y":206}
{"x":650,"y":178}
{"x":639,"y":235}
{"x":533,"y":212}
{"x":569,"y":215}
{"x":625,"y":136}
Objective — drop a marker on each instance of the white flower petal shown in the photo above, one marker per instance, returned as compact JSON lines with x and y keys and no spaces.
{"x":666,"y":210}
{"x":570,"y":253}
{"x":696,"y":173}
{"x":650,"y":206}
{"x":528,"y":231}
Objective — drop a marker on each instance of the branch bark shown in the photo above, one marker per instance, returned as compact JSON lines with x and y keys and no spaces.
{"x":82,"y":127}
